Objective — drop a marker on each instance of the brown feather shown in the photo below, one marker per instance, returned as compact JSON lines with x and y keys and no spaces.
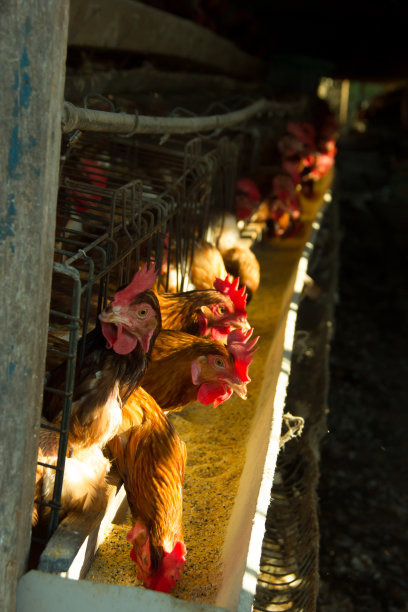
{"x":241,"y":261}
{"x":179,"y":311}
{"x":101,"y":385}
{"x":83,"y":489}
{"x":168,"y":376}
{"x":207,"y":265}
{"x":150,"y":457}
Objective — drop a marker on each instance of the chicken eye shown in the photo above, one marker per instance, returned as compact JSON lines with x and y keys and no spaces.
{"x":222,"y":310}
{"x":219,"y":362}
{"x":142,"y":313}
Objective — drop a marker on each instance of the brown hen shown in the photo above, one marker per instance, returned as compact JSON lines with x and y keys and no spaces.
{"x":185,"y":368}
{"x":242,"y":262}
{"x":116,"y":356}
{"x":150,"y":458}
{"x":210,"y":313}
{"x":207,"y":265}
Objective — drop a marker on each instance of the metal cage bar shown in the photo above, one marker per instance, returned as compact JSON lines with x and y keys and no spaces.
{"x":122,"y":201}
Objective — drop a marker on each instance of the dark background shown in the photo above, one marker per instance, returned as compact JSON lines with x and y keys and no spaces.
{"x":362,"y":493}
{"x":361,"y":40}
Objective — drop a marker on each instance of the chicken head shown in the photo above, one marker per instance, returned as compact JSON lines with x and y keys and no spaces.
{"x":170,"y":564}
{"x":133,"y":315}
{"x":219,"y":319}
{"x":218,"y":376}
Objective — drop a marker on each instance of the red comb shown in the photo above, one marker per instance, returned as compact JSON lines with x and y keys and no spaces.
{"x":143,"y":279}
{"x":172,"y":565}
{"x":304,"y":132}
{"x":238,"y":296}
{"x":248,"y":186}
{"x":242,"y":351}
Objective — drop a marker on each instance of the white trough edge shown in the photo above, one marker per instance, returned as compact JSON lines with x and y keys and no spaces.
{"x":243,"y":542}
{"x":43,"y":591}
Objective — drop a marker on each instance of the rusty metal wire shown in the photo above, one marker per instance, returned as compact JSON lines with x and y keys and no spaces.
{"x":123,"y":201}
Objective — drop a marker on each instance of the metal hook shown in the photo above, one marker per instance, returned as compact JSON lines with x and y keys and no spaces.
{"x":134,"y":130}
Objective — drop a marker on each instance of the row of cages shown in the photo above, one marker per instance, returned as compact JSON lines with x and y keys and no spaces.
{"x":122,"y":202}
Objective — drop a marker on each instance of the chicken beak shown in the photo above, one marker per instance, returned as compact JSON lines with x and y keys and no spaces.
{"x":243,"y":324}
{"x":239,"y":387}
{"x":107,"y":316}
{"x":115,"y":315}
{"x":142,"y":331}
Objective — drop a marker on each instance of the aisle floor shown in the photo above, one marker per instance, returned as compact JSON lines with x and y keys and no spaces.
{"x":363,"y":507}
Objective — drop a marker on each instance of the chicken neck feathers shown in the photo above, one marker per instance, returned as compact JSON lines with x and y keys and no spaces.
{"x":179,"y":310}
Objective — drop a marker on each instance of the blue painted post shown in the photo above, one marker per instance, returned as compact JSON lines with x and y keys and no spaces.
{"x":33,"y":41}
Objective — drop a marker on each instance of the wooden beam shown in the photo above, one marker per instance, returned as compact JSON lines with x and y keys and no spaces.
{"x":33,"y":37}
{"x":148,"y":80}
{"x":132,"y":26}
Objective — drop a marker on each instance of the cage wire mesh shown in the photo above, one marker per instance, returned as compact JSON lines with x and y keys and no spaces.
{"x":122,"y":202}
{"x":289,"y":565}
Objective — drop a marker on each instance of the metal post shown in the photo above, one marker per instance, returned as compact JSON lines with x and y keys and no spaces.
{"x":344,"y":102}
{"x":33,"y":42}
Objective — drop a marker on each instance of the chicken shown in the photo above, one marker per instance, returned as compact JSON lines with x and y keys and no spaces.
{"x":94,"y":175}
{"x":297,"y":147}
{"x":283,"y":206}
{"x":308,"y":151}
{"x":208,"y":312}
{"x":224,"y":233}
{"x":116,"y":357}
{"x":261,"y":214}
{"x":242,"y":262}
{"x":239,"y":260}
{"x":174,"y":273}
{"x":207,"y":265}
{"x":150,"y":458}
{"x":198,"y":369}
{"x":247,"y":198}
{"x":324,"y":161}
{"x":304,"y":133}
{"x":84,"y":487}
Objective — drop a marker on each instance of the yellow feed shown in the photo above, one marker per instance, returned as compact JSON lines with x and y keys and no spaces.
{"x":216,"y":442}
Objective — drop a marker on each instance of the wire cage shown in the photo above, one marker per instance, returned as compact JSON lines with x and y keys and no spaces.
{"x":288,"y":566}
{"x":122,"y":202}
